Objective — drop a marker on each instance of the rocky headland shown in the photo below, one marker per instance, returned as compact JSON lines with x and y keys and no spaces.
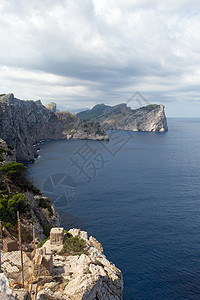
{"x":67,"y":264}
{"x":25,"y":123}
{"x":59,"y":275}
{"x":121,"y":117}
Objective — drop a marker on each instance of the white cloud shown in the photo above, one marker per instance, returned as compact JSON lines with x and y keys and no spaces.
{"x":83,"y":51}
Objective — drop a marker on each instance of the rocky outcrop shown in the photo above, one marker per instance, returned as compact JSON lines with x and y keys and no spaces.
{"x":52,"y":106}
{"x":120,"y":117}
{"x":7,"y":153}
{"x":88,"y":276}
{"x":40,"y":210}
{"x":5,"y":290}
{"x":58,"y":276}
{"x":24,"y":123}
{"x":86,"y":130}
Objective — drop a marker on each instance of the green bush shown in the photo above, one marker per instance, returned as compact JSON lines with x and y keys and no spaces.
{"x":13,"y":170}
{"x":9,"y":205}
{"x":10,"y":147}
{"x":9,"y":153}
{"x":15,"y":173}
{"x":45,"y":203}
{"x":68,"y":233}
{"x":74,"y":246}
{"x":2,"y":150}
{"x":47,"y":229}
{"x":42,"y":243}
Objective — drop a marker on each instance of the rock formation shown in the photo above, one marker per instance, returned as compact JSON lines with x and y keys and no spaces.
{"x":7,"y":153}
{"x":40,"y":210}
{"x":120,"y":117}
{"x":24,"y":123}
{"x":57,"y":276}
{"x":5,"y":290}
{"x":52,"y":106}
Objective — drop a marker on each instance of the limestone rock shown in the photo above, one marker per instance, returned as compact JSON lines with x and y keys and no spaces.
{"x":21,"y":294}
{"x":57,"y":236}
{"x":120,"y":117}
{"x":25,"y":123}
{"x":7,"y":153}
{"x":89,"y":276}
{"x":42,"y":264}
{"x":95,"y":243}
{"x":51,"y":106}
{"x":5,"y":290}
{"x":74,"y":232}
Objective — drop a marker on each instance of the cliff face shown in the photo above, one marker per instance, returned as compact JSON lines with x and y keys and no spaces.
{"x":40,"y":215}
{"x":84,"y":277}
{"x":121,"y":117}
{"x":7,"y":153}
{"x":24,"y":123}
{"x":76,"y":270}
{"x":87,"y":276}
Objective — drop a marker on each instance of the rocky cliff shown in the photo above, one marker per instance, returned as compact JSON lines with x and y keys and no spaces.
{"x":58,"y":275}
{"x":72,"y":268}
{"x":24,"y":123}
{"x":147,"y":118}
{"x":37,"y":210}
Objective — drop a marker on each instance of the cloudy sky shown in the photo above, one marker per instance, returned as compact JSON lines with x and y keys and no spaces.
{"x":82,"y":52}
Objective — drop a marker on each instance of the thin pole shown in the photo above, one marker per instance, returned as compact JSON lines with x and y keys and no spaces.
{"x":0,"y":247}
{"x":1,"y":236}
{"x":20,"y":249}
{"x":34,"y":240}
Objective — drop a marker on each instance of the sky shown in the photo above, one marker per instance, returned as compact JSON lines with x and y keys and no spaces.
{"x":78,"y":53}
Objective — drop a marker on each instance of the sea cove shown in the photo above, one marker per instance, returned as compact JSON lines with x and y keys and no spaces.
{"x":142,"y":204}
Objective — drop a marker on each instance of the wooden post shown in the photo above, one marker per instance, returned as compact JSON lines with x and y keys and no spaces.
{"x":1,"y":236}
{"x":20,"y":249}
{"x":0,"y":246}
{"x":34,"y":240}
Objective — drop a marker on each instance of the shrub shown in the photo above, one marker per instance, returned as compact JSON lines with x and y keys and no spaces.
{"x":2,"y":150}
{"x":45,"y":203}
{"x":74,"y":246}
{"x":10,"y":147}
{"x":13,"y":170}
{"x":42,"y":243}
{"x":9,"y":153}
{"x":47,"y":229}
{"x":68,"y":233}
{"x":9,"y":205}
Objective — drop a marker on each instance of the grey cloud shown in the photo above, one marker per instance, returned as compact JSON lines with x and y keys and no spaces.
{"x":97,"y":50}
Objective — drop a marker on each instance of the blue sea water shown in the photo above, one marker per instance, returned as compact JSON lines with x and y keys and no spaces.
{"x":140,"y":197}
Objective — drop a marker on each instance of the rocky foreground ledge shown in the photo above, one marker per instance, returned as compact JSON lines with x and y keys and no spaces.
{"x":59,"y":276}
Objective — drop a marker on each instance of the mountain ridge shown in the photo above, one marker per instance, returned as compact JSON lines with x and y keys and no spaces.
{"x":25,"y":123}
{"x":121,"y":117}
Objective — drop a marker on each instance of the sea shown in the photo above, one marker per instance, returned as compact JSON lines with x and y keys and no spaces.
{"x":139,"y":195}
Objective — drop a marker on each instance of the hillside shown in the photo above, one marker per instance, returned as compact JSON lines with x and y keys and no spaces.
{"x":121,"y":117}
{"x":24,"y":123}
{"x":17,"y":193}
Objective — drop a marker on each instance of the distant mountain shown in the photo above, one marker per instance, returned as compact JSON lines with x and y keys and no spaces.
{"x":147,"y":118}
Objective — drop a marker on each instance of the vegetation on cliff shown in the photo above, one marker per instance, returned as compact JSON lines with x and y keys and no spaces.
{"x":17,"y":193}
